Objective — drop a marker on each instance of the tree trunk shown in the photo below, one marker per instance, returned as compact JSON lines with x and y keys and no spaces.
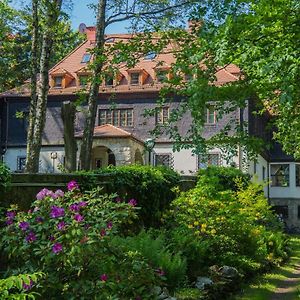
{"x":87,"y":139}
{"x":33,"y":84}
{"x":68,"y":111}
{"x":53,"y":11}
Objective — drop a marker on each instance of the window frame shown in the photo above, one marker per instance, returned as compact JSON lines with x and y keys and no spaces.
{"x":111,"y":114}
{"x":86,"y":58}
{"x":207,"y":162}
{"x":207,"y":114}
{"x":170,"y":159}
{"x":297,"y":178}
{"x":55,"y":85}
{"x":20,"y":162}
{"x":275,"y":181}
{"x":160,"y":117}
{"x":138,"y":78}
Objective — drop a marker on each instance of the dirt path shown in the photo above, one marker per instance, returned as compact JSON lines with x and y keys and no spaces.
{"x":287,"y":289}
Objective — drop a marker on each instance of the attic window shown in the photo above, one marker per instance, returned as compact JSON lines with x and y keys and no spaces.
{"x":58,"y":81}
{"x":86,"y":58}
{"x":150,"y":55}
{"x":134,"y":78}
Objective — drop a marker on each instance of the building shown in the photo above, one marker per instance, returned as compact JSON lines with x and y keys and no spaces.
{"x":121,"y":129}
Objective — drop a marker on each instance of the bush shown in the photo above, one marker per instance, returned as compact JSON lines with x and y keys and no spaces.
{"x":225,"y":178}
{"x":5,"y":177}
{"x":68,"y":237}
{"x":153,"y":247}
{"x":215,"y":227}
{"x":151,"y":187}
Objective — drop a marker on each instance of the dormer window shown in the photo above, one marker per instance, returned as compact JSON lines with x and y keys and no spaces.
{"x":134,"y":78}
{"x":86,"y":58}
{"x":58,"y":81}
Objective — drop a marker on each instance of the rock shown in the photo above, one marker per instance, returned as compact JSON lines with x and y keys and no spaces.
{"x":202,"y":282}
{"x":164,"y":295}
{"x":229,"y":272}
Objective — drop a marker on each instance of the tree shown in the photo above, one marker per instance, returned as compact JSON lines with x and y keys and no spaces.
{"x":109,"y":12}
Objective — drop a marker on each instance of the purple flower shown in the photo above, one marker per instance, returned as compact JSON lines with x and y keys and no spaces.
{"x":42,"y":194}
{"x":72,"y":185}
{"x":11,"y":214}
{"x":109,"y":225}
{"x":28,"y":286}
{"x":57,"y":212}
{"x":132,"y":202}
{"x":51,"y":238}
{"x":59,"y":193}
{"x":103,"y":277}
{"x":78,"y":218}
{"x":39,"y":219}
{"x":82,"y":204}
{"x":31,"y":237}
{"x":74,"y":207}
{"x":24,"y":226}
{"x":57,"y":247}
{"x":61,"y":225}
{"x":9,"y":221}
{"x":160,"y":272}
{"x":118,"y":199}
{"x":103,"y":232}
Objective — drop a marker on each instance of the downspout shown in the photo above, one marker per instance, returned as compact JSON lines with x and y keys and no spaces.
{"x":241,"y":123}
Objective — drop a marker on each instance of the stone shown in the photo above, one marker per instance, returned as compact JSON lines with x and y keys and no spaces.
{"x":229,"y":272}
{"x":203,"y":282}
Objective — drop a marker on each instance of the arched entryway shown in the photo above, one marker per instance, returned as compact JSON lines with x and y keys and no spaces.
{"x":102,"y":157}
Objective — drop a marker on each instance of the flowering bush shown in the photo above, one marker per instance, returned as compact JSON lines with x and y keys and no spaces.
{"x":67,"y":236}
{"x":225,"y":228}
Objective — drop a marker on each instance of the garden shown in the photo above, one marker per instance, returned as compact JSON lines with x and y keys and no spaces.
{"x":140,"y":239}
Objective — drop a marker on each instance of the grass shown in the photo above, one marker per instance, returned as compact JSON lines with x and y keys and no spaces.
{"x":264,"y":286}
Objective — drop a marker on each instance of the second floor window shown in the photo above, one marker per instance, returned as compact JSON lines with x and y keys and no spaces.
{"x":280,"y":175}
{"x":162,"y":115}
{"x":210,"y":115}
{"x":118,"y":117}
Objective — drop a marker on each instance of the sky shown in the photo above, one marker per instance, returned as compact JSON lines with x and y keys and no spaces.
{"x":81,"y":13}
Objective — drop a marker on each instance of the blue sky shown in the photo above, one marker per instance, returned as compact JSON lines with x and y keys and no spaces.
{"x":81,"y":13}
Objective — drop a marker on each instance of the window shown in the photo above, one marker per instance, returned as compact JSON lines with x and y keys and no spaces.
{"x":164,"y":159}
{"x":58,"y":81}
{"x":281,"y":210}
{"x":210,"y":115}
{"x":135,"y":78}
{"x":83,"y":80}
{"x":211,"y":159}
{"x":162,"y":115}
{"x":116,"y":117}
{"x":263,"y":173}
{"x":21,"y":160}
{"x":150,"y":55}
{"x":86,"y":58}
{"x":297,"y":175}
{"x":280,"y":175}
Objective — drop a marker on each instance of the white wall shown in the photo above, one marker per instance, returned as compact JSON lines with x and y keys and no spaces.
{"x":46,"y":163}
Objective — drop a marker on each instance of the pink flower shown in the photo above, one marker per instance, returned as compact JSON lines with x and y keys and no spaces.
{"x":42,"y":194}
{"x":118,"y":199}
{"x":72,"y":185}
{"x":59,"y":193}
{"x":109,"y":225}
{"x":160,"y":272}
{"x":61,"y":225}
{"x":57,"y":212}
{"x":27,"y":286}
{"x":102,"y":232}
{"x":78,"y":218}
{"x":57,"y":247}
{"x":103,"y":277}
{"x":132,"y":202}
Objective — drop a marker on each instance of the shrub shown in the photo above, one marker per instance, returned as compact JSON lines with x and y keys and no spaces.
{"x":68,"y":237}
{"x":211,"y":226}
{"x":153,"y":247}
{"x":151,"y":187}
{"x":225,"y":178}
{"x":5,"y":177}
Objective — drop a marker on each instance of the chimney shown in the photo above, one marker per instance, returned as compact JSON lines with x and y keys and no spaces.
{"x":90,"y":31}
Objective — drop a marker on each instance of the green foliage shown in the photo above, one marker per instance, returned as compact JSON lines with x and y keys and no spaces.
{"x":18,"y":287}
{"x":215,"y":227}
{"x":5,"y":177}
{"x":226,"y":178}
{"x":189,"y":294}
{"x":153,"y":247}
{"x":68,"y":236}
{"x":151,"y":187}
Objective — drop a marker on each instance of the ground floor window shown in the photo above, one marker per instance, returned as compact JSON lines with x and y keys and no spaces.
{"x":21,"y":161}
{"x":297,"y":175}
{"x":211,"y":159}
{"x":164,"y":159}
{"x":280,"y":175}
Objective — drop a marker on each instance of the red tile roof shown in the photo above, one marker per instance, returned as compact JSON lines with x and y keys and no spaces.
{"x":72,"y":64}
